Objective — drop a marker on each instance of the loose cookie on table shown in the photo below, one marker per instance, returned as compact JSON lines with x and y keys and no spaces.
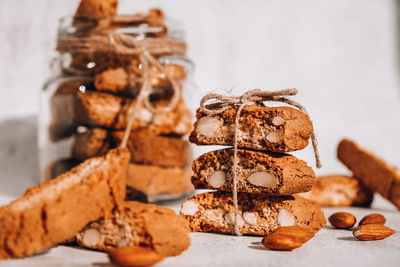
{"x":372,"y":171}
{"x":138,"y":224}
{"x":259,"y":214}
{"x":56,"y":210}
{"x":276,"y":129}
{"x":338,"y":190}
{"x":257,"y":172}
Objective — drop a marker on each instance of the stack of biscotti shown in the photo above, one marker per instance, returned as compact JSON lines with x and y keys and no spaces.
{"x":266,"y":175}
{"x":93,"y":108}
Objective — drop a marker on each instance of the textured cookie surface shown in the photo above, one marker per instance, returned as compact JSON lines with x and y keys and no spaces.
{"x":257,"y":172}
{"x":156,"y":181}
{"x":113,"y":112}
{"x":145,"y":146}
{"x":119,"y":81}
{"x":138,"y":224}
{"x":276,"y":129}
{"x":56,"y":210}
{"x":96,"y":9}
{"x":259,"y":215}
{"x":372,"y":171}
{"x":337,"y":190}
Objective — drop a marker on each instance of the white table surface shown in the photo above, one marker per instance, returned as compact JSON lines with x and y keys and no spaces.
{"x":330,"y":247}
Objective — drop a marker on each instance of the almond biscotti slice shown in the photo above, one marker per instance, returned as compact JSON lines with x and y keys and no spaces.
{"x":119,"y":81}
{"x":138,"y":224}
{"x":276,"y":129}
{"x":257,"y":172}
{"x":259,"y":214}
{"x":158,"y":181}
{"x":113,"y":112}
{"x":373,"y":172}
{"x":56,"y":210}
{"x":339,"y":190}
{"x":146,"y":147}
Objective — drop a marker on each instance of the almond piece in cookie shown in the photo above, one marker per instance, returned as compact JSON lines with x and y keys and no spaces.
{"x":276,"y":129}
{"x":259,"y":214}
{"x":55,"y":210}
{"x":138,"y":224}
{"x":257,"y":172}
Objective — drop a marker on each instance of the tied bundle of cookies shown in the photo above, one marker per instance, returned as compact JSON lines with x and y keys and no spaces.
{"x":106,"y":60}
{"x":255,"y":178}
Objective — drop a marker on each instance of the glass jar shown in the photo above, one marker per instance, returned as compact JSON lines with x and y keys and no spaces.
{"x":97,"y":75}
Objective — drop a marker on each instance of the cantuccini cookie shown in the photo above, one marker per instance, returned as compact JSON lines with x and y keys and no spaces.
{"x":96,"y":9}
{"x":276,"y":129}
{"x":138,"y":224}
{"x":257,"y":172}
{"x":119,"y":81}
{"x":155,"y":181}
{"x":145,"y":146}
{"x":61,"y":108}
{"x":372,"y":171}
{"x":59,"y":167}
{"x":106,"y":110}
{"x":339,"y":190}
{"x":56,"y":210}
{"x":259,"y":214}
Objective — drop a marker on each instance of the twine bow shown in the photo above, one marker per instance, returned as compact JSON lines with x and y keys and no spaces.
{"x":220,"y":103}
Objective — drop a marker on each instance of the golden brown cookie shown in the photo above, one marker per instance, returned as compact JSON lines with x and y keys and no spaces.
{"x":113,"y":112}
{"x":96,"y":9}
{"x":119,"y":81}
{"x":257,"y":172}
{"x":58,"y":167}
{"x":259,"y":214}
{"x":339,"y":190}
{"x":58,"y":209}
{"x":156,"y":181}
{"x":145,"y":146}
{"x":276,"y":129}
{"x":61,"y":108}
{"x":372,"y":171}
{"x":138,"y":224}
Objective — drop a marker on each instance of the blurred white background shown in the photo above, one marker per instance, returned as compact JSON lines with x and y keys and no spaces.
{"x":342,"y":55}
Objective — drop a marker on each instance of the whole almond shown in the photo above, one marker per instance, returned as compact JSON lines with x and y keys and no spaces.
{"x":134,"y":256}
{"x":287,"y":238}
{"x":374,"y":218}
{"x":368,"y":232}
{"x":342,"y":220}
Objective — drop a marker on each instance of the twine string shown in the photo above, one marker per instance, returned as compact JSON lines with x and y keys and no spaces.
{"x":214,"y":103}
{"x":147,"y":60}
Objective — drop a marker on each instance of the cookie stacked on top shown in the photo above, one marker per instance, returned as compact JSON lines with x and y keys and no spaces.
{"x":266,"y":176}
{"x":98,"y":91}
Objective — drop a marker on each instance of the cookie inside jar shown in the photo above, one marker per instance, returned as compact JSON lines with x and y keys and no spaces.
{"x":104,"y":61}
